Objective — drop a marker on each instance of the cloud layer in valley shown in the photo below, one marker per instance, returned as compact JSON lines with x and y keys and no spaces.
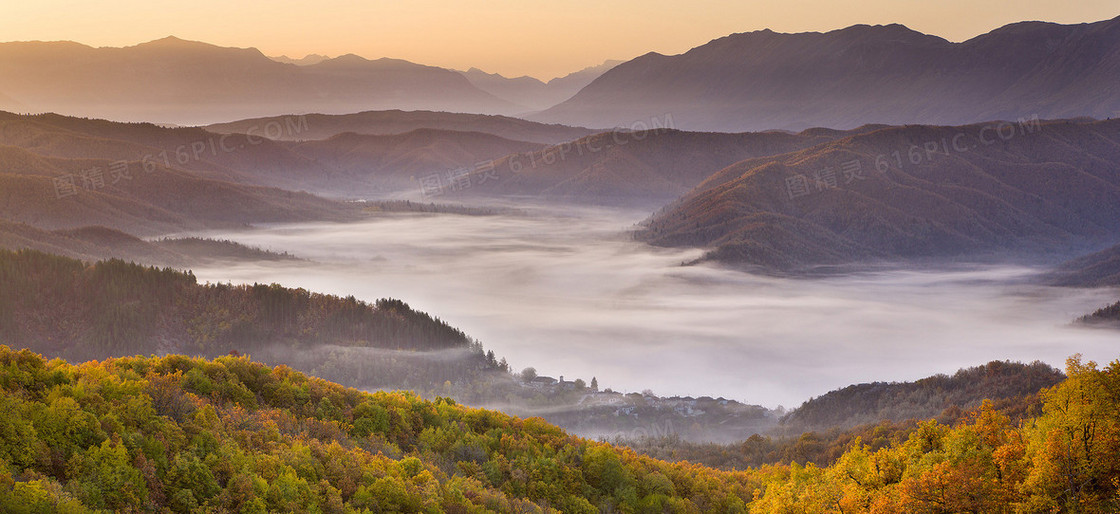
{"x":568,"y":292}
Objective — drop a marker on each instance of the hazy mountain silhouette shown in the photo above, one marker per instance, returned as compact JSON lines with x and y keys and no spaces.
{"x":96,"y":242}
{"x":532,"y":93}
{"x":248,"y":159}
{"x":150,"y":202}
{"x":186,"y":82}
{"x":347,"y":164}
{"x":654,"y":165}
{"x":323,"y":126}
{"x":306,"y":60}
{"x":909,"y":192}
{"x":394,"y":162}
{"x":862,"y":74}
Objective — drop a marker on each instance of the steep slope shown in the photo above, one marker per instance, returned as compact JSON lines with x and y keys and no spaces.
{"x":380,"y":123}
{"x":189,"y":82}
{"x":908,"y":193}
{"x":862,"y":74}
{"x":572,"y":83}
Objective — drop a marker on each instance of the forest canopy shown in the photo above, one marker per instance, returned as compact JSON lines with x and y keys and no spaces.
{"x":177,"y":434}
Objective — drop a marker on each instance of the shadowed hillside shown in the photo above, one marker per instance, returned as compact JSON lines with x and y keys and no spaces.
{"x":348,"y":164}
{"x":141,"y":197}
{"x":1094,"y":270}
{"x":62,"y":307}
{"x":1029,"y":189}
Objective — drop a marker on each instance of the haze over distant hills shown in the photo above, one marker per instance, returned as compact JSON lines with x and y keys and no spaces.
{"x":742,"y":82}
{"x":380,"y":123}
{"x":186,"y":82}
{"x":657,"y":164}
{"x":306,"y":60}
{"x":347,"y":164}
{"x":862,"y":74}
{"x":773,"y":199}
{"x":909,"y":192}
{"x":393,"y":162}
{"x":533,"y":93}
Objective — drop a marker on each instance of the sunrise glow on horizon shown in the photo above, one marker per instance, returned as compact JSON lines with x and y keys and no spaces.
{"x":540,"y":39}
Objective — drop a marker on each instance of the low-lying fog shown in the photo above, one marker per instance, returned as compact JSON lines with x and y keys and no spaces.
{"x":568,"y":292}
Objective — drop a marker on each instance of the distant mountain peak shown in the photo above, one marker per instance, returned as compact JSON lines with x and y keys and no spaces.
{"x":172,"y":41}
{"x":176,"y":44}
{"x":349,"y":59}
{"x":306,"y":60}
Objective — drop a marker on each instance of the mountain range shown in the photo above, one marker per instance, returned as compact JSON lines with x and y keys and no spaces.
{"x":187,"y":82}
{"x":343,"y":164}
{"x":783,"y":201}
{"x":859,"y":75}
{"x":751,"y":81}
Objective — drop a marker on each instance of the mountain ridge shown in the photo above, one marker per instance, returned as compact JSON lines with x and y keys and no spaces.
{"x":188,"y":82}
{"x":861,"y":74}
{"x":908,"y":193}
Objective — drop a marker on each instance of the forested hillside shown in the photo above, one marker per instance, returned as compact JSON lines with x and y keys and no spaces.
{"x":1109,"y":315}
{"x":1008,"y":382}
{"x":65,"y":308}
{"x":179,"y":434}
{"x":231,"y":435}
{"x":878,"y":414}
{"x":1099,"y":269}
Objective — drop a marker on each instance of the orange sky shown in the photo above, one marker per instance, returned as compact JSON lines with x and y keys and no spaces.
{"x":512,"y":37}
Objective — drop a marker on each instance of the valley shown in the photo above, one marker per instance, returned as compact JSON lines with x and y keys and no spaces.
{"x":637,"y":258}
